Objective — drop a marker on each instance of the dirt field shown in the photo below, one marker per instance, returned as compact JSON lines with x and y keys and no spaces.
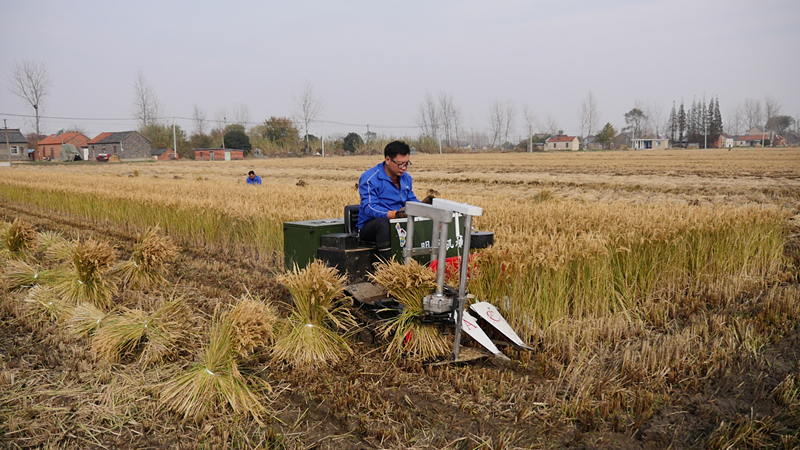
{"x":54,"y":393}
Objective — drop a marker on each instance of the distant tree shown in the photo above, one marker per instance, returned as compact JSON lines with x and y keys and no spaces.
{"x":199,"y":117}
{"x":161,"y":136}
{"x":201,"y":141}
{"x":281,"y":131}
{"x":681,"y":123}
{"x":241,"y":114}
{"x":450,"y":116}
{"x":531,"y":123}
{"x":428,"y":118}
{"x":234,"y":127}
{"x":351,"y":142}
{"x":781,"y":124}
{"x":673,"y":124}
{"x":606,"y":136}
{"x":753,"y":114}
{"x":589,"y":115}
{"x":635,"y":121}
{"x":238,"y":139}
{"x":496,"y":121}
{"x":772,"y":108}
{"x":715,"y":127}
{"x":147,"y":110}
{"x":510,"y":120}
{"x":552,"y":126}
{"x":309,"y":106}
{"x":30,"y":81}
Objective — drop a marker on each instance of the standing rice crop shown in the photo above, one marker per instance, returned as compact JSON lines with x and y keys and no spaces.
{"x":85,"y":280}
{"x":309,"y":338}
{"x":214,"y":382}
{"x":409,"y":284}
{"x":146,"y":265}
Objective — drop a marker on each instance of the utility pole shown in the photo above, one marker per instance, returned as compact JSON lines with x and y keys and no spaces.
{"x":174,"y":141}
{"x":8,"y":146}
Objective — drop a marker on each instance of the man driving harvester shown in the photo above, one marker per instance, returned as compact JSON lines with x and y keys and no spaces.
{"x":384,"y":191}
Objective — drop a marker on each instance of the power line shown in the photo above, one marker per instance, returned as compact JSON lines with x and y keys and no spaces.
{"x":209,"y":120}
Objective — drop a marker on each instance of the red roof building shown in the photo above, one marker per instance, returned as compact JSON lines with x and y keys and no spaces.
{"x":49,"y":148}
{"x":562,"y":142}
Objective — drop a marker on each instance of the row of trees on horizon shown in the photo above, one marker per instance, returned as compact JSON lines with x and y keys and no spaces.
{"x":439,"y":119}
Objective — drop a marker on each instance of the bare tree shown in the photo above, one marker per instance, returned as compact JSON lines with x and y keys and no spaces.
{"x":509,"y":119}
{"x":552,"y":126}
{"x":310,"y":107}
{"x":455,"y":116}
{"x":531,"y":123}
{"x":752,"y":112}
{"x":447,"y":111}
{"x":241,"y":114}
{"x":590,"y":116}
{"x":146,"y":107}
{"x":497,"y":119}
{"x":199,"y":117}
{"x":735,"y":120}
{"x":656,"y":118}
{"x":30,"y":81}
{"x":771,"y":108}
{"x":428,"y":117}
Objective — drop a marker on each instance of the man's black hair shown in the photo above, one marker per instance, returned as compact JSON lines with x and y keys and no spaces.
{"x":395,"y":148}
{"x":251,"y":173}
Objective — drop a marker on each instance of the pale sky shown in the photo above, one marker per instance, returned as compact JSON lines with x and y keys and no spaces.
{"x":372,"y":62}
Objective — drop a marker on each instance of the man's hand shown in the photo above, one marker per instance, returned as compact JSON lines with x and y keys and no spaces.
{"x":397,"y":214}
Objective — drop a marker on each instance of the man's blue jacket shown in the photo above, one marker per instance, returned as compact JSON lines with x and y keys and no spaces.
{"x":379,"y":195}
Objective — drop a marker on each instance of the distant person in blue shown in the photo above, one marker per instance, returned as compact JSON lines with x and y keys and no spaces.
{"x":384,"y":191}
{"x":252,"y":178}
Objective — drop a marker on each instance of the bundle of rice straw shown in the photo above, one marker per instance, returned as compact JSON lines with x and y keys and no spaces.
{"x":214,"y":382}
{"x":309,"y":337}
{"x":85,"y":280}
{"x":145,"y":267}
{"x":252,"y":325}
{"x":21,"y":275}
{"x":157,"y":335}
{"x":19,"y":241}
{"x":409,"y":284}
{"x":42,"y":305}
{"x":54,"y":247}
{"x":86,"y":319}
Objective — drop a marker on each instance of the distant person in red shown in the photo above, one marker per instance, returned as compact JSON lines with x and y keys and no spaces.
{"x":252,"y":178}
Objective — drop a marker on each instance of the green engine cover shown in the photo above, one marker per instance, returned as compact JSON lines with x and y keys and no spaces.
{"x":302,"y":239}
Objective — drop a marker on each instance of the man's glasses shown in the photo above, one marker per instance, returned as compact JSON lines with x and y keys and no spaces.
{"x":402,"y":166}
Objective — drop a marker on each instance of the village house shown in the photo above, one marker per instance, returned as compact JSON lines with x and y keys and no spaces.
{"x":17,"y":147}
{"x":562,"y":142}
{"x":163,"y":154}
{"x":49,"y":148}
{"x":650,"y":144}
{"x":750,"y":140}
{"x":123,"y":144}
{"x":217,"y":154}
